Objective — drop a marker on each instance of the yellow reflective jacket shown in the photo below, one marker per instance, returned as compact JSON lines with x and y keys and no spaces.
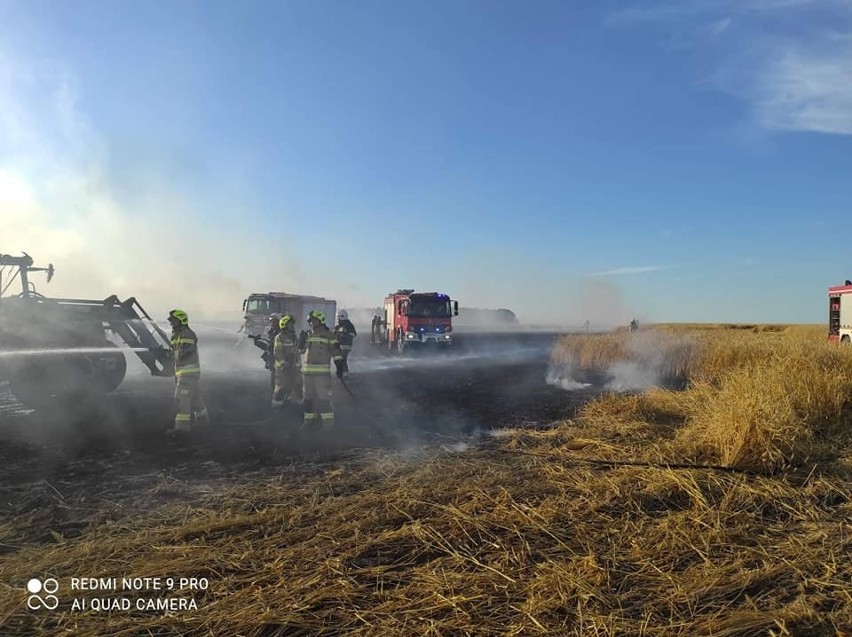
{"x":185,"y":352}
{"x":285,"y":348}
{"x":321,"y":347}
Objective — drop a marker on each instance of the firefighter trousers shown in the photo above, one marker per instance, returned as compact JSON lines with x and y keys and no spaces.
{"x":318,"y":406}
{"x":189,"y":403}
{"x":286,"y":385}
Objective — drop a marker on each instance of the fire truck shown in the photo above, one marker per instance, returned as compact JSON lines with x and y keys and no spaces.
{"x":840,"y":313}
{"x":257,"y":309}
{"x":416,"y":319}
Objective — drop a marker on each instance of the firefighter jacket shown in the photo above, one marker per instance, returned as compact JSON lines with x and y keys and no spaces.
{"x":320,"y":348}
{"x":271,"y":333}
{"x":285,"y":348}
{"x":345,"y":333}
{"x":185,"y":352}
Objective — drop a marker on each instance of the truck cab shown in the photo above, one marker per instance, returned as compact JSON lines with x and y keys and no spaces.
{"x":417,"y":319}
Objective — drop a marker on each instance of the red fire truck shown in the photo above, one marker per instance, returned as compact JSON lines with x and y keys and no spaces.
{"x":840,"y":313}
{"x":416,"y":319}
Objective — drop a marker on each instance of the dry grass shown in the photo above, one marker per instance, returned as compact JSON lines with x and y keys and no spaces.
{"x":538,"y":532}
{"x":756,"y":399}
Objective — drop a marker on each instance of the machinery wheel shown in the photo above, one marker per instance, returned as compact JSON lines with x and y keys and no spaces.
{"x":846,"y":340}
{"x":44,"y":378}
{"x":108,"y":368}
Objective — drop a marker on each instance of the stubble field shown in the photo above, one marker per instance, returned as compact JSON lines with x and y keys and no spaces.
{"x":714,"y":502}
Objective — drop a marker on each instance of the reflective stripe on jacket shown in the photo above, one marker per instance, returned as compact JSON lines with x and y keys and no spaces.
{"x":185,"y":352}
{"x":285,"y":348}
{"x":320,"y":349}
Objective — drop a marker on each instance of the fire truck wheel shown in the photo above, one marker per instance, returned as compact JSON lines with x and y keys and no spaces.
{"x":845,"y":340}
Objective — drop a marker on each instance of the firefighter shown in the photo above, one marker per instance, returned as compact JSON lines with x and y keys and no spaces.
{"x":346,"y":333}
{"x":189,"y":403}
{"x":634,"y":325}
{"x":374,"y":329}
{"x":269,"y":357}
{"x":266,"y":343}
{"x":286,"y":351}
{"x":319,"y":346}
{"x":274,"y":326}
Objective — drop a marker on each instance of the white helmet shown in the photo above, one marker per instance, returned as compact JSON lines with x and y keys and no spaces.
{"x":343,"y":315}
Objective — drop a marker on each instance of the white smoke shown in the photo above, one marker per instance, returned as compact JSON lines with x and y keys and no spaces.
{"x":156,"y":240}
{"x":649,"y":364}
{"x":458,"y":447}
{"x":632,"y":376}
{"x":562,"y":376}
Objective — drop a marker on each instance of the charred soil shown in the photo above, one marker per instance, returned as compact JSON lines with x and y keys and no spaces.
{"x":113,"y":448}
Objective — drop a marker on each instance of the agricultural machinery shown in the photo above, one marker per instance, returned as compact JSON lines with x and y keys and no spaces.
{"x":53,"y":346}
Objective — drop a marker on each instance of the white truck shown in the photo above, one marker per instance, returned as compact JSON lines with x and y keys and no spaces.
{"x":258,"y":307}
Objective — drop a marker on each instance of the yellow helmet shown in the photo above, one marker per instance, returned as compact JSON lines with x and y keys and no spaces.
{"x":285,"y":320}
{"x":316,"y":314}
{"x":180,"y":315}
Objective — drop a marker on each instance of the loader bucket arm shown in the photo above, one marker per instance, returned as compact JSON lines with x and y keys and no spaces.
{"x":139,"y":331}
{"x":131,"y":322}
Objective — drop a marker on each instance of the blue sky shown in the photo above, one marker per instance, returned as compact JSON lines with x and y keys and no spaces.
{"x":683,"y":161}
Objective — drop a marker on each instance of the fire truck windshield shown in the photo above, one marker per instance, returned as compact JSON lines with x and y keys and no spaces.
{"x":423,"y":308}
{"x":258,"y":305}
{"x":262,"y":305}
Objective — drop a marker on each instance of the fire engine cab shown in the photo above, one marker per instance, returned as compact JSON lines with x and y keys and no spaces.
{"x":840,"y":313}
{"x":415,"y":319}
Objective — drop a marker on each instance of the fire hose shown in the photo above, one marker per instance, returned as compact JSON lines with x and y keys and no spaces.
{"x":346,"y":387}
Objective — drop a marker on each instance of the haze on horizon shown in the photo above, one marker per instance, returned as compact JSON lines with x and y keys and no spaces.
{"x":675,"y":161}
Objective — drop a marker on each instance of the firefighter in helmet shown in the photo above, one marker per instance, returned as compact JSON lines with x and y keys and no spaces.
{"x":319,"y":347}
{"x":266,"y":344}
{"x":346,"y":333}
{"x":269,"y":357}
{"x":190,"y":405}
{"x":286,"y":351}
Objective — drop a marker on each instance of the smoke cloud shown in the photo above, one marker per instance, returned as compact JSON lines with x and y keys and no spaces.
{"x":63,"y":200}
{"x":143,"y":222}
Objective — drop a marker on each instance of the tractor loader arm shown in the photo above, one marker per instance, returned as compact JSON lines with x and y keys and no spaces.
{"x":132,"y":323}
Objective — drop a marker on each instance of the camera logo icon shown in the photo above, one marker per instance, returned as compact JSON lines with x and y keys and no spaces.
{"x":42,"y":594}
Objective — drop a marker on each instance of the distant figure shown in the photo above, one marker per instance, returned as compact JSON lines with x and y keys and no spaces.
{"x":586,"y":325}
{"x":346,"y":334}
{"x":374,"y":329}
{"x":634,"y":325}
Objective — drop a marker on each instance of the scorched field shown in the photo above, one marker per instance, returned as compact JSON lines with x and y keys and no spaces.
{"x":674,"y":481}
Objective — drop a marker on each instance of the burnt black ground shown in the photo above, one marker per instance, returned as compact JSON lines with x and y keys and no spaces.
{"x":489,"y":381}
